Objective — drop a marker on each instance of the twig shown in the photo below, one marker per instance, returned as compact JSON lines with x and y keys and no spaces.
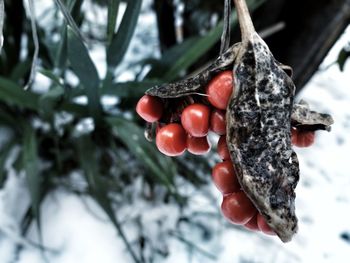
{"x":226,"y":33}
{"x":271,"y":30}
{"x":2,"y":18}
{"x":36,"y":45}
{"x":69,"y":19}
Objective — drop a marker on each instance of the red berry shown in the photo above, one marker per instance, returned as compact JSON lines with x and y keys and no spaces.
{"x":171,"y":140}
{"x":195,"y":120}
{"x":253,"y":224}
{"x":263,"y":226}
{"x":303,"y":138}
{"x":222,"y":149}
{"x":198,"y":146}
{"x":238,"y":208}
{"x":150,"y":108}
{"x":217,"y":122}
{"x":224,"y":178}
{"x":220,"y":89}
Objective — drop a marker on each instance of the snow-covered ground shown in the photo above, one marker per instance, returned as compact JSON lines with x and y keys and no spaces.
{"x":76,"y":230}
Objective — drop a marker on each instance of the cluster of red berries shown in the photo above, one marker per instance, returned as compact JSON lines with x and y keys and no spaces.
{"x":195,"y":122}
{"x":190,"y":132}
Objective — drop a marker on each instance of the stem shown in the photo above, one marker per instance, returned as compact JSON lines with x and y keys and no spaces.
{"x":36,"y":45}
{"x":226,"y":33}
{"x":70,"y":20}
{"x":2,"y":18}
{"x":245,"y":21}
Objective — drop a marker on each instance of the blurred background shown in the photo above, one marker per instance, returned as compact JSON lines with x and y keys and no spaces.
{"x":78,"y":181}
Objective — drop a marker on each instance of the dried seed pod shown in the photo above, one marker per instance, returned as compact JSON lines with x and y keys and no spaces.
{"x":197,"y":83}
{"x":258,"y":137}
{"x":258,"y":130}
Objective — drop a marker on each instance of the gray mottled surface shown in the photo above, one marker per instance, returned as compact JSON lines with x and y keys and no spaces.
{"x":258,"y":136}
{"x":305,"y":119}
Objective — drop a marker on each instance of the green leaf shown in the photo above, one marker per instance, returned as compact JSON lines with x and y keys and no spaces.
{"x":121,"y":40}
{"x":60,"y":54}
{"x":31,"y":167}
{"x":130,"y":89}
{"x":342,"y":57}
{"x":21,"y":70}
{"x":161,"y":66}
{"x":12,"y":93}
{"x":113,"y":8}
{"x":85,"y":69}
{"x":88,"y":160}
{"x":53,"y":94}
{"x":74,"y":11}
{"x":192,"y":54}
{"x":50,"y":75}
{"x":163,"y":168}
{"x":75,"y":109}
{"x":49,"y":100}
{"x":66,"y":13}
{"x":7,"y":119}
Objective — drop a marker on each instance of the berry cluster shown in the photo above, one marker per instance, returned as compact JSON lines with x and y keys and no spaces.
{"x":189,"y":130}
